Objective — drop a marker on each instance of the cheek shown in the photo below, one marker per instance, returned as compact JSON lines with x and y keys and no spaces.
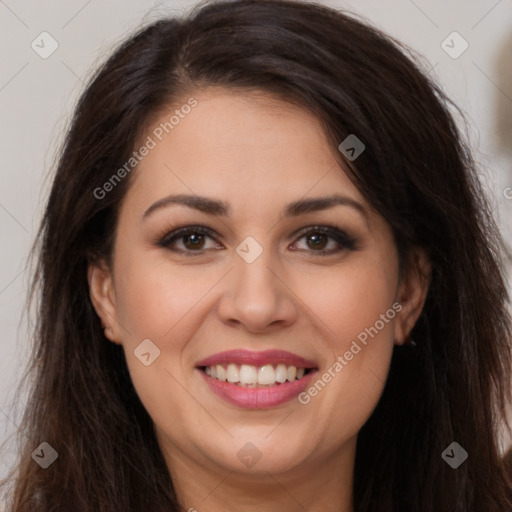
{"x":350,"y":299}
{"x":155,"y":301}
{"x":154,"y":297}
{"x":163,"y":303}
{"x":356,"y":308}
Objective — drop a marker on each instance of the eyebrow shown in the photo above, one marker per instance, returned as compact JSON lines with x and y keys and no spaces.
{"x":215,"y":207}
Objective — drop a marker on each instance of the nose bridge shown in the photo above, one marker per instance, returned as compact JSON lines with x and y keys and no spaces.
{"x":252,"y":273}
{"x":256,"y":296}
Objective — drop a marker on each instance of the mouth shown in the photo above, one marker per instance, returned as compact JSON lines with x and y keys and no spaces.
{"x":249,"y":376}
{"x":257,"y":380}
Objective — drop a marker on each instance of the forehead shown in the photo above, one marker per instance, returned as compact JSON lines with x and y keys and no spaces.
{"x":239,"y":146}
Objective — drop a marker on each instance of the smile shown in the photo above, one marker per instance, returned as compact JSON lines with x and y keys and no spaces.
{"x":256,"y":380}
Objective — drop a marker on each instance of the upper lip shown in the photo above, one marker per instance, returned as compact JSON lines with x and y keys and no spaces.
{"x":241,"y":356}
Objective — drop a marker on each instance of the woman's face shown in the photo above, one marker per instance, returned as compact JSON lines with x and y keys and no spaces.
{"x":285,"y":269}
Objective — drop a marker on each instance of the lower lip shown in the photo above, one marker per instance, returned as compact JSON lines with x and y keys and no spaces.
{"x":258,"y":398}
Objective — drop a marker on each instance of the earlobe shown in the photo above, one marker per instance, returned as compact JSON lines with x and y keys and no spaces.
{"x":102,"y":293}
{"x":412,"y":293}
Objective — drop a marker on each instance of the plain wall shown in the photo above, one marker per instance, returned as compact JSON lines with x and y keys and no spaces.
{"x":37,"y":97}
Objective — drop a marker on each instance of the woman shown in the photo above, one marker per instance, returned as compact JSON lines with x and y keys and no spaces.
{"x":269,"y":281}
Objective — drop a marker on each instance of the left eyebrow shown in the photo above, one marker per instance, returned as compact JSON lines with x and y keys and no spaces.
{"x":315,"y":204}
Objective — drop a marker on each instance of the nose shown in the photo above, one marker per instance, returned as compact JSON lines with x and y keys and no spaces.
{"x":257,"y":297}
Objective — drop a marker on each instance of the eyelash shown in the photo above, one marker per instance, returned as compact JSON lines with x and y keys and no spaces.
{"x":343,"y":239}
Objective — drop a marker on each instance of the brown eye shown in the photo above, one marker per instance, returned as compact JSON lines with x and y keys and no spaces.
{"x":317,"y":241}
{"x":189,"y":240}
{"x":195,"y":241}
{"x":325,"y":240}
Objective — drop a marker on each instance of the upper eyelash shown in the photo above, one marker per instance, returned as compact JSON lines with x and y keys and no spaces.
{"x":342,"y":238}
{"x":169,"y":237}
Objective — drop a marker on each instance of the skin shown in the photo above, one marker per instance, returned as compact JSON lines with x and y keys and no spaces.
{"x":257,"y":154}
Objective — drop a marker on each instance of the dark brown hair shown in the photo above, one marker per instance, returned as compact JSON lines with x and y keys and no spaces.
{"x":416,"y":171}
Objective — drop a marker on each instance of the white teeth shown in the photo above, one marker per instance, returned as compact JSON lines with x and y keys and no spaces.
{"x":221,"y":373}
{"x":233,"y":374}
{"x":266,"y":375}
{"x":281,"y":373}
{"x":247,"y":375}
{"x":291,"y":373}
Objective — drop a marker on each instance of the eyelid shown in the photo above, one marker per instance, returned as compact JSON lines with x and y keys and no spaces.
{"x":337,"y":234}
{"x":173,"y":233}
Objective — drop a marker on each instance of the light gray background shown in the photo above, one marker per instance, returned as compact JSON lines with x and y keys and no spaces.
{"x":37,"y":96}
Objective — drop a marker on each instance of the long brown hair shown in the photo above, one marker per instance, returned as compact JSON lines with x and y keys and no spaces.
{"x":416,"y":171}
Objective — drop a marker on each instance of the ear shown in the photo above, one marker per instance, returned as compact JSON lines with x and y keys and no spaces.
{"x":412,"y":293}
{"x":102,"y":293}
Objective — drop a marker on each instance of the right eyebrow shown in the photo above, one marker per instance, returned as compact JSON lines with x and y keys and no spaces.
{"x":203,"y":204}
